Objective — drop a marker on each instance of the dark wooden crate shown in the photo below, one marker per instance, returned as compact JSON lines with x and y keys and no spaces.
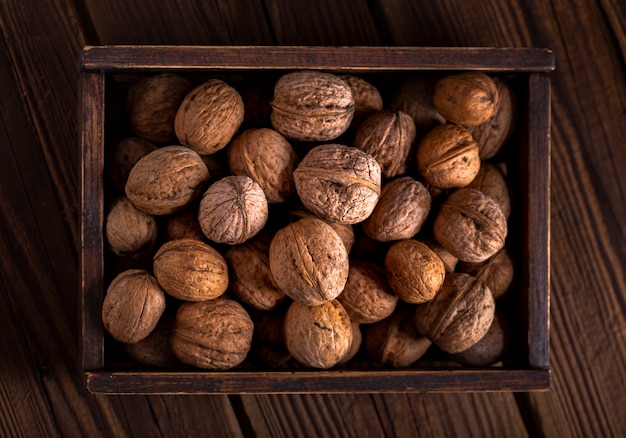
{"x":531,"y":68}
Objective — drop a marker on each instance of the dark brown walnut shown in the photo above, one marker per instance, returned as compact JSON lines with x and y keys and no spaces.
{"x":367,"y":296}
{"x":470,"y":225}
{"x":338,"y":183}
{"x":468,"y":98}
{"x":268,"y":341}
{"x":209,"y":117}
{"x":355,"y":345}
{"x":449,"y":261}
{"x":129,"y":230}
{"x":415,"y":98}
{"x":311,"y":106}
{"x":447,"y":157}
{"x":497,"y":272}
{"x":155,"y":350}
{"x":183,"y":225}
{"x":492,"y":135}
{"x":318,"y":336}
{"x":459,"y":315}
{"x":388,"y":137}
{"x":166,"y":180}
{"x":122,"y":157}
{"x":492,"y":182}
{"x":133,"y":304}
{"x":309,"y":261}
{"x":251,"y":280}
{"x":367,"y":98}
{"x":233,"y":210}
{"x":401,"y":211}
{"x":491,"y":347}
{"x":414,"y":271}
{"x":190,"y":270}
{"x":267,"y":157}
{"x":214,"y":335}
{"x":345,"y":231}
{"x":152,"y":105}
{"x":394,"y":341}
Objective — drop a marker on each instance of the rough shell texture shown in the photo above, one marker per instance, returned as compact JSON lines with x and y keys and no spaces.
{"x":129,"y":230}
{"x":338,"y":183}
{"x":268,"y":342}
{"x":122,"y":157}
{"x":387,"y":136}
{"x":415,"y":98}
{"x":367,"y":98}
{"x":183,"y":225}
{"x":154,"y":350}
{"x":401,"y":211}
{"x":190,"y":270}
{"x":233,"y":210}
{"x":449,"y":261}
{"x":491,"y":347}
{"x":250,"y":277}
{"x":367,"y":296}
{"x":311,"y":106}
{"x":460,"y":314}
{"x":166,"y":180}
{"x":447,"y":157}
{"x":209,"y":117}
{"x":394,"y":341}
{"x":414,"y":271}
{"x":309,"y":262}
{"x":133,"y":304}
{"x":215,"y":335}
{"x":468,"y":98}
{"x":497,"y":272}
{"x":345,"y":231}
{"x":153,"y":103}
{"x":267,"y":157}
{"x":492,"y":182}
{"x":470,"y":225}
{"x":318,"y":336}
{"x":355,"y":345}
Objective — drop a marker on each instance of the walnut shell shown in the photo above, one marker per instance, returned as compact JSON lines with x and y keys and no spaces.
{"x":468,"y":98}
{"x":183,"y":225}
{"x":311,"y":106}
{"x":338,"y":183}
{"x":401,"y":211}
{"x":491,"y":347}
{"x":267,"y":157}
{"x":414,"y":271}
{"x":233,"y":210}
{"x":133,"y":304}
{"x":415,"y":98}
{"x":497,"y":272}
{"x":345,"y":231}
{"x":190,"y":270}
{"x":214,"y":335}
{"x":492,"y":182}
{"x":166,"y":180}
{"x":470,"y":225}
{"x":367,"y":98}
{"x":251,"y":279}
{"x":209,"y":117}
{"x":122,"y":157}
{"x":388,"y":137}
{"x":155,"y":350}
{"x":447,"y":157}
{"x":153,"y":103}
{"x":367,"y":296}
{"x":129,"y":230}
{"x":309,"y":262}
{"x":318,"y":336}
{"x":459,"y":315}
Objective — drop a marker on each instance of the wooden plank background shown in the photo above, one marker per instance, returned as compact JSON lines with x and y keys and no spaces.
{"x":41,"y":387}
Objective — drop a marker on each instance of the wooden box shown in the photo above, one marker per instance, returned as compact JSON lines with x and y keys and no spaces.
{"x":105,"y":68}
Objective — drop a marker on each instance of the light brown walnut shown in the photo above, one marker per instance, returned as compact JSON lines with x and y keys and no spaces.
{"x":467,"y":98}
{"x":345,"y":231}
{"x":129,"y":230}
{"x":497,"y":272}
{"x":367,"y":98}
{"x":491,"y":347}
{"x":491,"y":181}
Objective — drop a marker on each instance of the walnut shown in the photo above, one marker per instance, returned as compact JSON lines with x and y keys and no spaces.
{"x":311,"y":106}
{"x":190,"y":270}
{"x":183,"y":225}
{"x":401,"y":211}
{"x":129,"y":230}
{"x":166,"y":180}
{"x":309,"y":262}
{"x":233,"y":210}
{"x":468,"y":98}
{"x":459,"y":315}
{"x":367,"y":296}
{"x":318,"y":336}
{"x":414,"y":271}
{"x":214,"y":335}
{"x":367,"y":98}
{"x":154,"y":350}
{"x":388,"y":137}
{"x":338,"y":183}
{"x":268,"y":341}
{"x":152,"y":105}
{"x":449,"y":261}
{"x":267,"y":157}
{"x":492,"y":182}
{"x":345,"y":231}
{"x":447,"y":157}
{"x":133,"y":304}
{"x":470,"y":225}
{"x":497,"y":272}
{"x":415,"y":98}
{"x":491,"y":346}
{"x":209,"y":117}
{"x":122,"y":157}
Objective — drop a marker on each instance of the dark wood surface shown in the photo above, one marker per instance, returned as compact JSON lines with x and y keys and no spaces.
{"x":42,"y":392}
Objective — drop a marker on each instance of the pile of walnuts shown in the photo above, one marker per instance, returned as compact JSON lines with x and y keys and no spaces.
{"x":323,"y":223}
